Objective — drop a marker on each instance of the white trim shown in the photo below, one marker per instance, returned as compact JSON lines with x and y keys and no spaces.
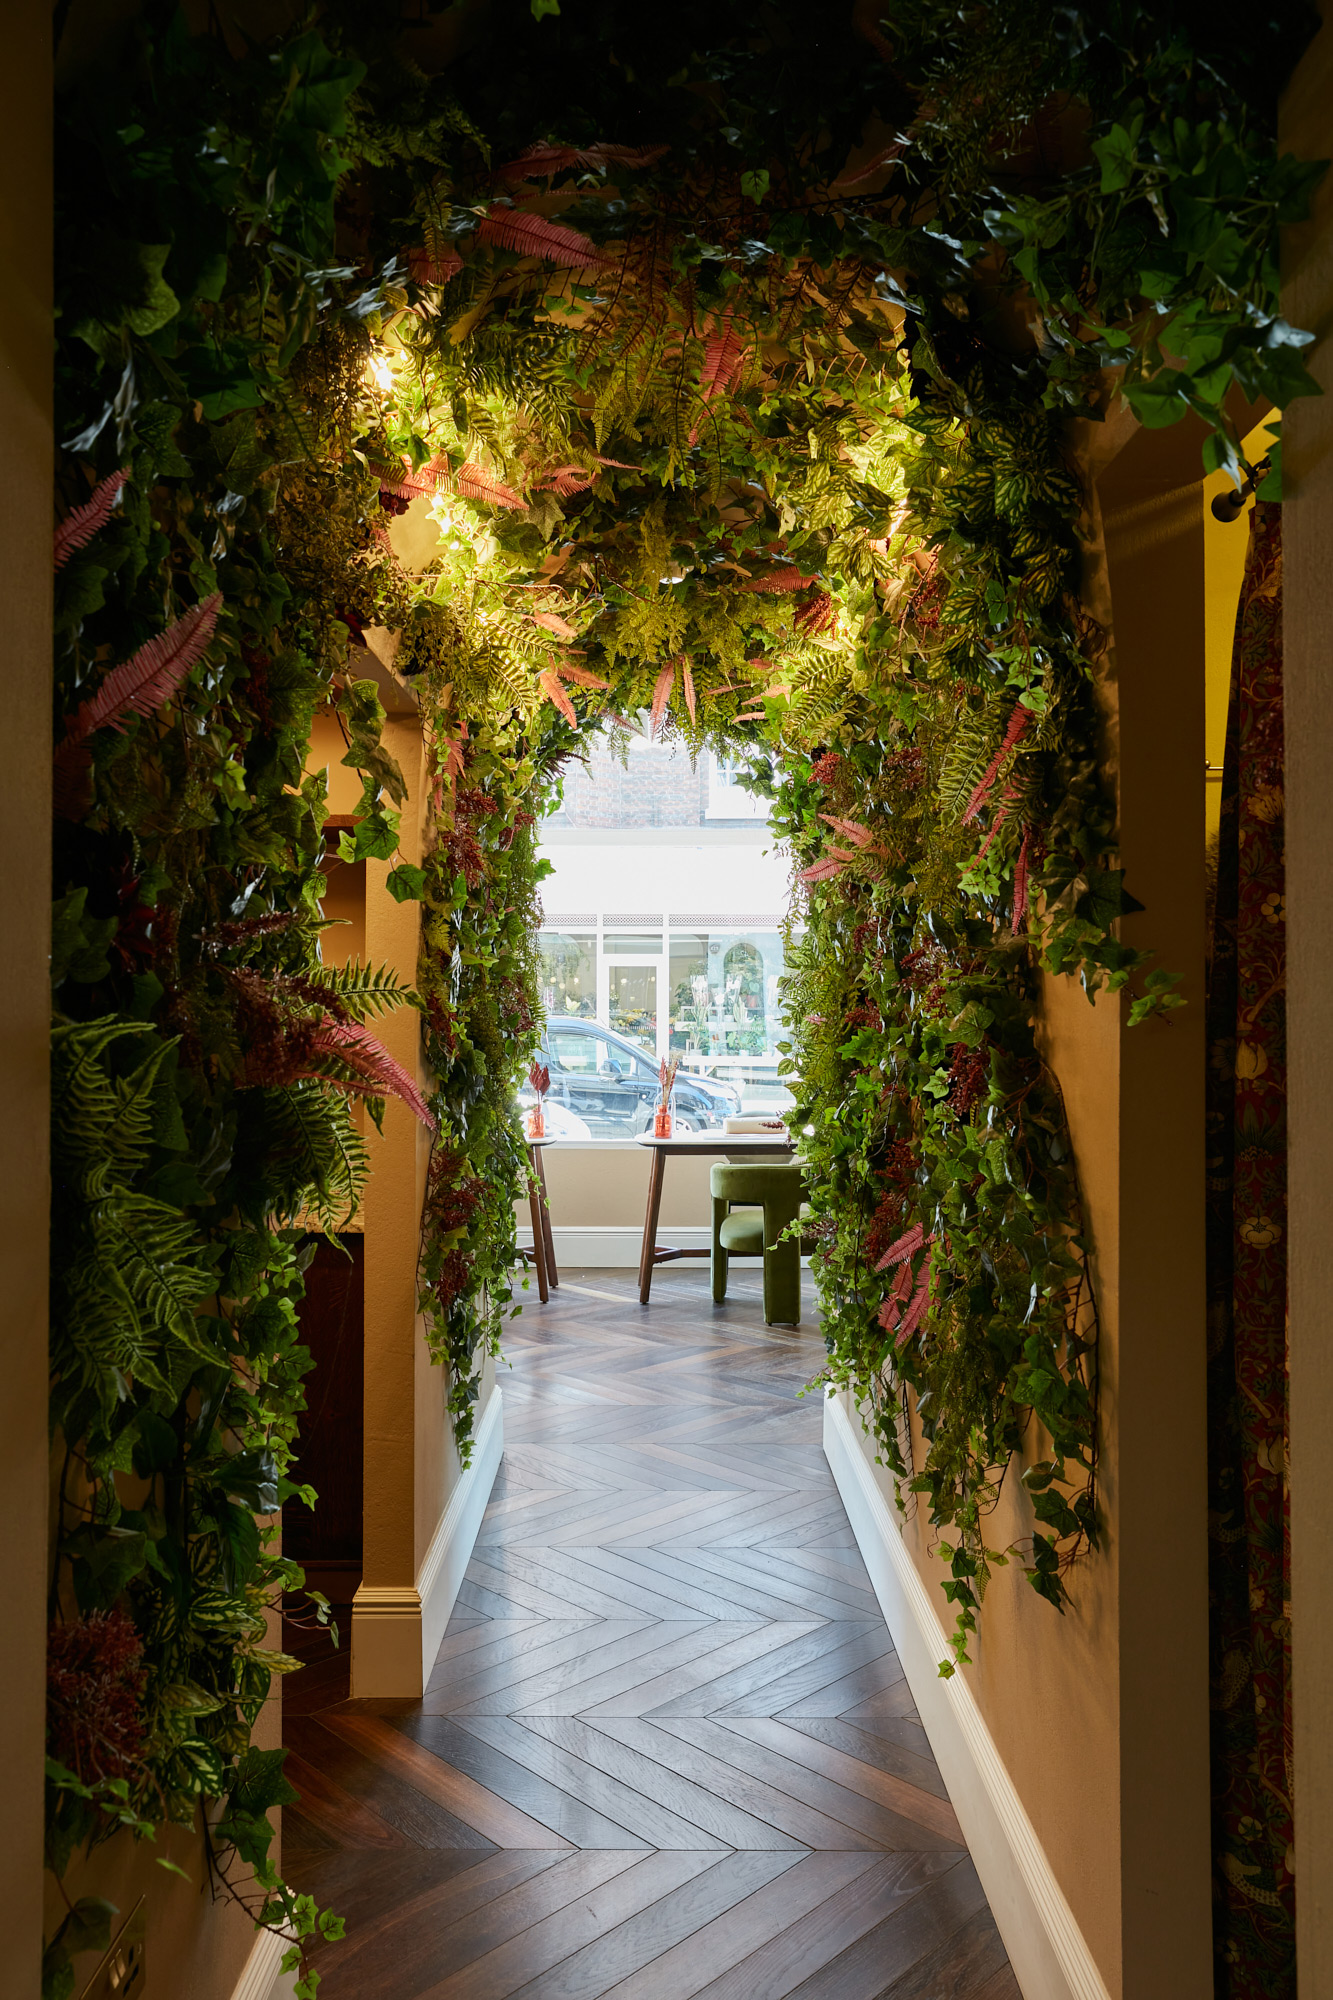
{"x":446,"y":1560}
{"x":1048,"y":1952}
{"x":615,"y":1246}
{"x":261,"y":1979}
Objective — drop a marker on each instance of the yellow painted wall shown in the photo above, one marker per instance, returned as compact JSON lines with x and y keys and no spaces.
{"x":1224,"y":545}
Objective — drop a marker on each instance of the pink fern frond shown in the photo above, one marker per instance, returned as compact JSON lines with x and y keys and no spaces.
{"x":141,"y":684}
{"x":434,"y":267}
{"x":78,"y":528}
{"x":551,"y":621}
{"x":537,"y":236}
{"x":374,"y":1071}
{"x":566,"y":481}
{"x":916,"y":1311}
{"x":780,"y":579}
{"x":550,"y":686}
{"x":1021,"y":883}
{"x":1019,"y":723}
{"x":666,"y":680}
{"x":687,"y":688}
{"x":537,"y":162}
{"x":474,"y":482}
{"x":724,"y":357}
{"x":860,"y":836}
{"x":580,"y":676}
{"x":907,"y":1245}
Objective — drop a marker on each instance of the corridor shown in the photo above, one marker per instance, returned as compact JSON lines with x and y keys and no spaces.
{"x":667,"y":1749}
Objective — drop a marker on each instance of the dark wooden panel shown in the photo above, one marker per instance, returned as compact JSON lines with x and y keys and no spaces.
{"x":329,"y":1458}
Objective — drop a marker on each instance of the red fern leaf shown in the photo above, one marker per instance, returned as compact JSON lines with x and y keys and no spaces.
{"x":1021,"y":883}
{"x":1018,"y":726}
{"x":536,"y":162}
{"x":79,"y":527}
{"x":553,"y":691}
{"x":666,"y":680}
{"x":551,"y":621}
{"x":780,"y":579}
{"x":537,"y":236}
{"x":375,"y":1073}
{"x":687,"y":684}
{"x":474,"y":482}
{"x":141,"y":685}
{"x":565,"y":481}
{"x":850,"y":829}
{"x":724,"y":357}
{"x":579,"y":675}
{"x":434,"y":267}
{"x":907,"y":1246}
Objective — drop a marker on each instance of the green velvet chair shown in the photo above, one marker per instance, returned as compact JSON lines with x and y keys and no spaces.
{"x":767,"y":1195}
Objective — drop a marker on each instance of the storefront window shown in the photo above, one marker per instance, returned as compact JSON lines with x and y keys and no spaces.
{"x":569,"y":974}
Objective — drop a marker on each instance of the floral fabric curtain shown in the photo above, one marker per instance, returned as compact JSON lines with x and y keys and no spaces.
{"x":1249,"y":1577}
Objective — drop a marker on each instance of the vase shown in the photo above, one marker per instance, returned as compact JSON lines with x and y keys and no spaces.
{"x":662,"y":1122}
{"x":536,"y":1123}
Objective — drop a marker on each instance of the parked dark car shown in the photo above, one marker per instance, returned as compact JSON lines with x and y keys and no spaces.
{"x":612,"y":1085}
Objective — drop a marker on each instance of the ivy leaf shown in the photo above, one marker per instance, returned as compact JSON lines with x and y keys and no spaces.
{"x":406,"y":883}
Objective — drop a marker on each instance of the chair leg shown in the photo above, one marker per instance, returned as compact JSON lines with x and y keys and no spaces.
{"x":718,"y":1259}
{"x":782,"y":1271}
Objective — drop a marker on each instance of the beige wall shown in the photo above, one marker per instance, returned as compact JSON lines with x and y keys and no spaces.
{"x":411,"y":1464}
{"x":1307,"y":526}
{"x":608,"y":1186}
{"x":25,"y":1001}
{"x":1101,"y":1716}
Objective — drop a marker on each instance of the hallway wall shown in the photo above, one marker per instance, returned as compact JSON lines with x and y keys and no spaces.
{"x":1100,"y":1717}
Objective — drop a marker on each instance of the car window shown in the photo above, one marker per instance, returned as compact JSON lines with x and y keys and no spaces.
{"x":575,"y":1052}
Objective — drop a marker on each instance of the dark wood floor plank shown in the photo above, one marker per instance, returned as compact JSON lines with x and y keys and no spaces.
{"x":713,"y":1950}
{"x":522,"y":1959}
{"x":695,"y":1804}
{"x":662,"y":1925}
{"x":898,"y":1944}
{"x":667,"y":1655}
{"x":824,"y":1937}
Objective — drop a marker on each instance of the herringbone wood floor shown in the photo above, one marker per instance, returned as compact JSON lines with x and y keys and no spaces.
{"x":667,"y":1749}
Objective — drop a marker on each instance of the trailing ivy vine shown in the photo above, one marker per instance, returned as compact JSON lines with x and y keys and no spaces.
{"x":732,"y":372}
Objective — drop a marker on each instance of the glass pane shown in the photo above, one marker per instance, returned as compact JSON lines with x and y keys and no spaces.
{"x":578,"y":1054}
{"x":639,"y":946}
{"x":691,"y":1005}
{"x":633,"y":1009}
{"x":569,"y":974}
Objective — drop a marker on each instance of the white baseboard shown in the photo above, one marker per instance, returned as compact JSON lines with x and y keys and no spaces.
{"x":1048,"y":1952}
{"x":397,"y":1628}
{"x":615,"y":1246}
{"x":261,"y":1979}
{"x":450,"y":1552}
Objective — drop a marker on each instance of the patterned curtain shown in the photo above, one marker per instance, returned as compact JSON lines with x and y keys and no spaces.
{"x":1249,"y":1575}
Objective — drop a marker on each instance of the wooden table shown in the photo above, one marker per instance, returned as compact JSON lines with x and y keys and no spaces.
{"x":734,"y":1146}
{"x":543,"y":1244}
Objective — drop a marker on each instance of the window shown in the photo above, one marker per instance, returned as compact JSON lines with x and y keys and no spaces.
{"x":569,"y":973}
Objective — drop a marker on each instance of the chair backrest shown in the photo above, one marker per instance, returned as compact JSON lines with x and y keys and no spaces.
{"x":759,"y":1182}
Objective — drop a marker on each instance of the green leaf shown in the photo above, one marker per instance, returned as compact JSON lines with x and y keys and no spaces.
{"x":406,"y":883}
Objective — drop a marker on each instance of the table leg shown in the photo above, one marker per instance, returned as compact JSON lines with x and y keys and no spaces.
{"x":538,"y":1236}
{"x":552,"y":1275}
{"x":648,"y":1253}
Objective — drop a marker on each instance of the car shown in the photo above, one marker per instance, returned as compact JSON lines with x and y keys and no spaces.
{"x":612,"y":1084}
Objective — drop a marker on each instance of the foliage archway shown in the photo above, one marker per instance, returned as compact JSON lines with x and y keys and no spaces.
{"x":735,"y":372}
